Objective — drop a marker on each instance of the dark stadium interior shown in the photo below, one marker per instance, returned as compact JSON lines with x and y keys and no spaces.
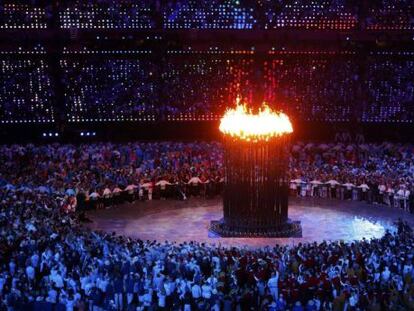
{"x":115,"y":170}
{"x":182,"y":63}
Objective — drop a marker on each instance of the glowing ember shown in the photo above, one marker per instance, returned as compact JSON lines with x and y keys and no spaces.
{"x":242,"y":123}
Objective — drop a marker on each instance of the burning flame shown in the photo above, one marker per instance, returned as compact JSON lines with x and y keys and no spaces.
{"x":242,"y":123}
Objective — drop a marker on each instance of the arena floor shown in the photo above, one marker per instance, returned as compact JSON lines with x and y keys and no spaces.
{"x":189,"y":220}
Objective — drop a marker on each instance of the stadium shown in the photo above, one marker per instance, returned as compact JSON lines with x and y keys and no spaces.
{"x":206,"y":155}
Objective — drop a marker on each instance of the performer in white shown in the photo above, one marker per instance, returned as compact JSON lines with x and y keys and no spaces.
{"x":332,"y":187}
{"x":315,"y":184}
{"x":348,"y":187}
{"x":406,"y":200}
{"x":145,"y":186}
{"x":163,"y":184}
{"x":382,"y":189}
{"x":305,"y":188}
{"x":273,"y":285}
{"x":94,"y":195}
{"x":402,"y":197}
{"x":390,"y":196}
{"x":296,"y":186}
{"x":364,"y":191}
{"x":206,"y":290}
{"x":194,"y":182}
{"x":163,"y":187}
{"x":107,"y":195}
{"x":94,"y":199}
{"x":130,"y":190}
{"x":293,"y":186}
{"x":116,"y":193}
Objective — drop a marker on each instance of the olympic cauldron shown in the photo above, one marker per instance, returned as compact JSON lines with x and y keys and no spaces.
{"x":255,"y":198}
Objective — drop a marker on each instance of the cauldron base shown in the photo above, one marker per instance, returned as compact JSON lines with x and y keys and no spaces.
{"x":288,"y":229}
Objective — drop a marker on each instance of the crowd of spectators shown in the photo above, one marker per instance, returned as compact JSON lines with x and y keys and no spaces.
{"x":385,"y":14}
{"x":389,"y":90}
{"x":25,"y":91}
{"x":213,"y":14}
{"x":199,"y":85}
{"x":216,"y":80}
{"x":216,"y":14}
{"x":21,"y":15}
{"x":103,"y":170}
{"x":375,"y":173}
{"x":50,"y":261}
{"x":103,"y":174}
{"x":315,"y":89}
{"x":109,"y":14}
{"x":110,"y":89}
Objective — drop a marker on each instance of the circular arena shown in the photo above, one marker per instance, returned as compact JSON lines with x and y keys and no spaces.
{"x":178,"y":221}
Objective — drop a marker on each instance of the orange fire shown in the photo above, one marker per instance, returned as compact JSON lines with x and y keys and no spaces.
{"x":242,"y":123}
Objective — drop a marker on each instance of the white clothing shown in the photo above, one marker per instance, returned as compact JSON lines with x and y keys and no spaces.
{"x":163,"y":184}
{"x":194,"y":181}
{"x":107,"y":193}
{"x":196,"y":291}
{"x":364,"y":187}
{"x":206,"y":291}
